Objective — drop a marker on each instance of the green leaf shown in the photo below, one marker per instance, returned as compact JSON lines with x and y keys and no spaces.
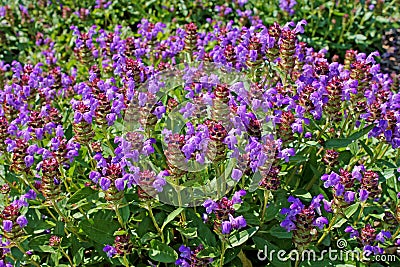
{"x":367,"y":149}
{"x":338,"y":142}
{"x":349,"y":211}
{"x":278,"y":231}
{"x":190,"y":232}
{"x":345,"y":157}
{"x":99,"y":230}
{"x":148,"y":236}
{"x":360,"y":37}
{"x":125,"y":213}
{"x":59,"y":229}
{"x":302,"y":194}
{"x":339,"y":223}
{"x":162,"y":252}
{"x":208,"y":253}
{"x":230,"y":255}
{"x":171,"y":216}
{"x":207,"y":237}
{"x":145,"y":226}
{"x":78,"y":256}
{"x":35,"y":242}
{"x":242,"y":236}
{"x":81,"y":194}
{"x":361,"y":132}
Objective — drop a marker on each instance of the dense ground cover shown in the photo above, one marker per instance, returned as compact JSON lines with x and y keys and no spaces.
{"x":198,"y":134}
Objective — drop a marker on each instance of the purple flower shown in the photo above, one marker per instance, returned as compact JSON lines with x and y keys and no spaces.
{"x":226,"y":227}
{"x":287,"y":6}
{"x":357,"y":172}
{"x":160,"y":181}
{"x":353,"y":232}
{"x":363,"y":195}
{"x":382,"y":235}
{"x":236,"y":174}
{"x":210,"y":205}
{"x":288,"y":225}
{"x":320,"y":222}
{"x":29,"y":160}
{"x":238,"y":222}
{"x":330,"y":179}
{"x":185,"y":252}
{"x":111,"y":118}
{"x":159,"y":111}
{"x":159,"y":184}
{"x":119,"y":184}
{"x":22,"y":221}
{"x":182,"y":263}
{"x":237,"y":197}
{"x":315,"y":202}
{"x":295,"y":207}
{"x":105,"y":183}
{"x":327,"y":205}
{"x":94,"y":176}
{"x":31,"y":194}
{"x":286,"y":153}
{"x":349,"y":196}
{"x":110,"y":251}
{"x":7,"y":225}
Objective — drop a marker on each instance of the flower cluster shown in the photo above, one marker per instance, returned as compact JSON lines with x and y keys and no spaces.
{"x":223,"y":210}
{"x":303,"y":220}
{"x":188,"y":257}
{"x":122,"y":246}
{"x":369,"y":238}
{"x":347,"y":185}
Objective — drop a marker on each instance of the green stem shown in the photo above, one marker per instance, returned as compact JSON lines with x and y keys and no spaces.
{"x":67,"y":256}
{"x":108,"y":139}
{"x":326,"y":232}
{"x":121,"y":222}
{"x":266,"y":196}
{"x":360,"y":214}
{"x":59,"y":211}
{"x":396,"y":233}
{"x":223,"y":250}
{"x":155,"y":222}
{"x":126,"y":262}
